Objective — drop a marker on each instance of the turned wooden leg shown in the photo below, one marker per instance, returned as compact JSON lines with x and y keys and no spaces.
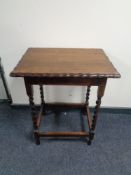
{"x":29,"y":90}
{"x":42,"y":94}
{"x":91,"y":133}
{"x":96,"y":110}
{"x":86,"y":100}
{"x":100,"y":93}
{"x":87,"y":96}
{"x":42,"y":98}
{"x":87,"y":105}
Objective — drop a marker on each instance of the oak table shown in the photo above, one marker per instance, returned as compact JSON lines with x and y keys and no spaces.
{"x":65,"y":66}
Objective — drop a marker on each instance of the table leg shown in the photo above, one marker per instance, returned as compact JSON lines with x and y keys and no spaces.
{"x":42,"y":94}
{"x":29,"y":91}
{"x":91,"y":134}
{"x":87,"y":95}
{"x":42,"y":98}
{"x":100,"y":93}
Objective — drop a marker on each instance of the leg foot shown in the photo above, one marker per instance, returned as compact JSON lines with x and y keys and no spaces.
{"x":37,"y":138}
{"x":89,"y":142}
{"x":91,"y":137}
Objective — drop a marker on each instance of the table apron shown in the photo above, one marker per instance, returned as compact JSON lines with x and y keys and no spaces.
{"x":75,"y":81}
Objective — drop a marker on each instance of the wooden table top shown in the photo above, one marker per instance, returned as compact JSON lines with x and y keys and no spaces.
{"x":64,"y":62}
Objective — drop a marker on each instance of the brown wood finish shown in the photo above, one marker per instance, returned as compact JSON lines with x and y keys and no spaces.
{"x":29,"y":91}
{"x":65,"y":62}
{"x":75,"y":81}
{"x":65,"y":105}
{"x":63,"y":134}
{"x":89,"y":117}
{"x":64,"y":66}
{"x":40,"y":116}
{"x":42,"y":95}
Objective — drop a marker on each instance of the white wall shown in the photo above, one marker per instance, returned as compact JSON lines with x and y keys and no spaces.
{"x":68,"y":23}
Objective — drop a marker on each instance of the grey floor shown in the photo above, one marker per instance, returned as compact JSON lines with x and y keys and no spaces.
{"x":109,"y":154}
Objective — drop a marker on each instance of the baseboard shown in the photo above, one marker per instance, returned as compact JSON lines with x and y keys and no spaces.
{"x":3,"y":100}
{"x":104,"y":109}
{"x":6,"y":101}
{"x":76,"y":106}
{"x":116,"y":110}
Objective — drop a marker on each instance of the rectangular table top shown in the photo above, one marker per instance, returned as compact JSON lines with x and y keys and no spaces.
{"x":65,"y":62}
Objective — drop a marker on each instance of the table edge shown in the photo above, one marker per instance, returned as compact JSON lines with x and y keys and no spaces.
{"x":117,"y":75}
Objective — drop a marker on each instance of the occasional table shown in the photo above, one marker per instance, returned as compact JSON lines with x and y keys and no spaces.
{"x":65,"y":66}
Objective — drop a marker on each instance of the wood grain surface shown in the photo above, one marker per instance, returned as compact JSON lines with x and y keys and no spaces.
{"x":64,"y":62}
